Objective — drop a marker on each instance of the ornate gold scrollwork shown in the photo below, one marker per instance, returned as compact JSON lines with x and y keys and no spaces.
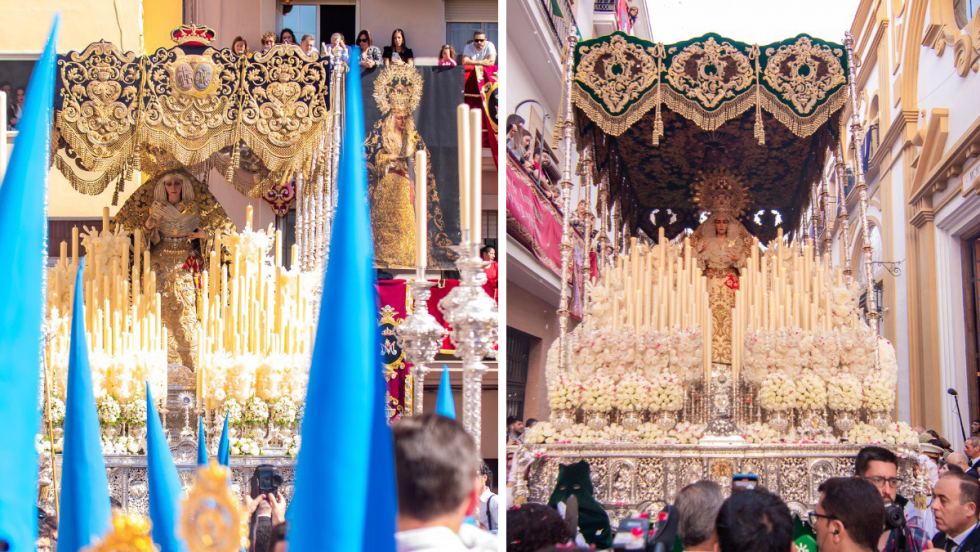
{"x":710,"y":72}
{"x":617,"y":72}
{"x":210,"y":518}
{"x":804,"y":73}
{"x":130,"y":533}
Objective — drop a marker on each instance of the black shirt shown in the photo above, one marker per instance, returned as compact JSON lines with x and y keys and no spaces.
{"x":405,"y":55}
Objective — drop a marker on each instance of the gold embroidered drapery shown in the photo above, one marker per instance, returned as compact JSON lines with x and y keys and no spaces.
{"x":180,"y":106}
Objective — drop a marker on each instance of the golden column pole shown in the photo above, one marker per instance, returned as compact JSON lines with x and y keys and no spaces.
{"x":565,"y":127}
{"x":861,"y":186}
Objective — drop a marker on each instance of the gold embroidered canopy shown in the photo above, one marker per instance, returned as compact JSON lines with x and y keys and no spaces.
{"x":116,"y":112}
{"x":659,"y":116}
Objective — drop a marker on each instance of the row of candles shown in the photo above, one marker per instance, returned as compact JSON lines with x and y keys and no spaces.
{"x":662,"y":287}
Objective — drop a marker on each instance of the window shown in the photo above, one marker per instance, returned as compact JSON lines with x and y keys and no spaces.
{"x":518,"y":355}
{"x":489,"y":228}
{"x":459,"y":34}
{"x":301,"y":20}
{"x":321,"y":21}
{"x":964,"y":11}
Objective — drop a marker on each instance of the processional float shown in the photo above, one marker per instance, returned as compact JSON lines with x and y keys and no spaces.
{"x":719,"y":336}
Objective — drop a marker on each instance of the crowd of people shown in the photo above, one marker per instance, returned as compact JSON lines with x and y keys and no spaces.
{"x":533,"y":158}
{"x":860,"y":513}
{"x":479,"y":51}
{"x":445,"y":495}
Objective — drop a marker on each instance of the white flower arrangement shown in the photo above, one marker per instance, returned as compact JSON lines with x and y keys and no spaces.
{"x":825,"y":354}
{"x":256,"y":411}
{"x":843,"y":306}
{"x":134,"y":412}
{"x":791,"y":350}
{"x":244,"y":446}
{"x":759,"y":433}
{"x":57,"y":411}
{"x":109,"y":410}
{"x":632,"y":393}
{"x":900,"y":433}
{"x":857,"y":350}
{"x":755,"y":364}
{"x":284,"y":412}
{"x":844,"y":392}
{"x":879,"y":391}
{"x":623,"y":353}
{"x":240,"y":378}
{"x":233,"y":410}
{"x":541,"y":433}
{"x":887,"y":361}
{"x":564,"y":394}
{"x":863,"y":433}
{"x":685,"y":353}
{"x":43,"y":445}
{"x":686,"y":433}
{"x":297,"y":375}
{"x":653,"y":352}
{"x":598,"y":392}
{"x":292,"y":445}
{"x":777,"y":393}
{"x":666,"y":393}
{"x":128,"y":445}
{"x":811,"y":393}
{"x":270,"y":376}
{"x":651,"y":433}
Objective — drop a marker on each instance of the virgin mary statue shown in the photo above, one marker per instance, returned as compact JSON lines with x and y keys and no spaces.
{"x":721,"y":245}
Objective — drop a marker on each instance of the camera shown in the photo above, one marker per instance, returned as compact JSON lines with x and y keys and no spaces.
{"x":646,"y":536}
{"x":895,"y":521}
{"x":265,"y":479}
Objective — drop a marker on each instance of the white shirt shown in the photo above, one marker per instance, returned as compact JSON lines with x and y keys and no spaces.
{"x":477,"y":539}
{"x":958,"y":539}
{"x":471,"y":52}
{"x":429,"y":539}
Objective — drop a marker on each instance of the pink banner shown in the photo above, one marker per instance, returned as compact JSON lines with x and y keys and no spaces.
{"x":536,"y":223}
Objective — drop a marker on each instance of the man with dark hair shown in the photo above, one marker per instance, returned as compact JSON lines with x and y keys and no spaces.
{"x":488,"y":510}
{"x":955,"y":501}
{"x":879,"y":466}
{"x":975,"y":427}
{"x":849,"y":516}
{"x":697,"y":508}
{"x":533,"y":527}
{"x":435,"y":469}
{"x":515,"y":430}
{"x":972,"y":449}
{"x":754,"y":521}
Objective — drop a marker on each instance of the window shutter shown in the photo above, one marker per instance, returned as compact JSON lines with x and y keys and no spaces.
{"x":471,"y":11}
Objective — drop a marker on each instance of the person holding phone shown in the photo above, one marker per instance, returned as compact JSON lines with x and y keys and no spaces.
{"x":398,"y":53}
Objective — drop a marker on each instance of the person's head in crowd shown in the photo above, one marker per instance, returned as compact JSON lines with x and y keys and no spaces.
{"x":488,"y":253}
{"x":239,"y":46}
{"x":530,"y":422}
{"x":20,"y":95}
{"x":959,"y":460}
{"x":337,"y":39}
{"x":287,"y":36}
{"x":879,"y":466}
{"x":6,"y":87}
{"x":972,"y":447}
{"x":634,"y":11}
{"x":849,"y":516}
{"x":277,"y":543}
{"x":447,"y":52}
{"x":398,"y":41}
{"x":47,"y":531}
{"x":479,"y":40}
{"x":514,"y":425}
{"x":697,"y":508}
{"x":955,"y":502}
{"x":754,"y":521}
{"x":975,"y":427}
{"x":535,"y":526}
{"x":364,"y":40}
{"x":307,"y":44}
{"x":268,"y":41}
{"x":950,"y":468}
{"x":435,"y":468}
{"x":582,"y":209}
{"x":115,"y":506}
{"x":483,"y":477}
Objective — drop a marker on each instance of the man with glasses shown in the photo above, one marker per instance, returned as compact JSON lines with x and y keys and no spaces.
{"x":955,"y":500}
{"x":879,"y":466}
{"x":480,"y":52}
{"x":849,"y":516}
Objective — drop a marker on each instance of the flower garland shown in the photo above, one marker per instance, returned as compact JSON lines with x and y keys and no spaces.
{"x":777,"y":393}
{"x":759,"y":433}
{"x":598,"y":393}
{"x":564,"y":394}
{"x":633,"y":393}
{"x":863,"y":433}
{"x":844,"y":393}
{"x":666,"y":393}
{"x":811,"y":393}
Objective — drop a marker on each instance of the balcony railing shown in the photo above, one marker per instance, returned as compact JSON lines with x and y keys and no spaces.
{"x":560,"y":16}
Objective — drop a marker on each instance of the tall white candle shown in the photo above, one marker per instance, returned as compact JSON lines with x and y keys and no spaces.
{"x":463,"y":140}
{"x":421,"y":211}
{"x":475,"y":180}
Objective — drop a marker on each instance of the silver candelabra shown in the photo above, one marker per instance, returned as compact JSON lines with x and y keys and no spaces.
{"x":420,"y":336}
{"x":472,"y":314}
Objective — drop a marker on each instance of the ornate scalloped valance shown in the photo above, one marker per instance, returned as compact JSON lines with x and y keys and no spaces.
{"x":116,"y":112}
{"x":709,"y":80}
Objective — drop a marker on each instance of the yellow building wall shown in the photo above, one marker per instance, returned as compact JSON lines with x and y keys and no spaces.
{"x":160,"y":18}
{"x":82,"y":22}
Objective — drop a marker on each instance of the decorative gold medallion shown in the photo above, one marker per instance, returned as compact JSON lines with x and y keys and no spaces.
{"x":211,"y":518}
{"x":130,"y":533}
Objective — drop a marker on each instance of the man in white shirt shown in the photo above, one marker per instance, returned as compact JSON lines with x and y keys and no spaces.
{"x":435,"y":468}
{"x":489,"y":508}
{"x":480,"y":52}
